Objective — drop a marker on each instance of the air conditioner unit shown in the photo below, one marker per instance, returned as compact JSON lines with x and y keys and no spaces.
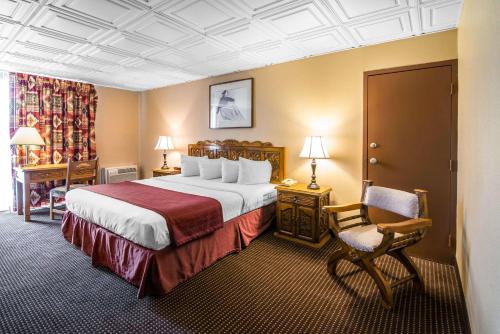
{"x":118,"y":174}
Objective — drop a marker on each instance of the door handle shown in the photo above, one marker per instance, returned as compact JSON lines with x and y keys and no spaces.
{"x":373,"y":145}
{"x":373,"y":161}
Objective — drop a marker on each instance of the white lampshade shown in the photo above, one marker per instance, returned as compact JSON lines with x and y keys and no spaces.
{"x":164,"y":143}
{"x":27,"y":136}
{"x":314,"y":148}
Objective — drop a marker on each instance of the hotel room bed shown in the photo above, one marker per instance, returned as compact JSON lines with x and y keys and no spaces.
{"x":136,"y":244}
{"x":148,"y":228}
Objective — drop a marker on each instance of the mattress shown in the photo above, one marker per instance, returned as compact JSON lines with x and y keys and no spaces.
{"x":149,"y":229}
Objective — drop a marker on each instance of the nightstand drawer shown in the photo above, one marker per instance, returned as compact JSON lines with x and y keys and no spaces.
{"x":297,"y":199}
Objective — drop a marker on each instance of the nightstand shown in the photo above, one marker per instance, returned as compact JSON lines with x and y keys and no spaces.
{"x":164,"y":172}
{"x":299,"y":216}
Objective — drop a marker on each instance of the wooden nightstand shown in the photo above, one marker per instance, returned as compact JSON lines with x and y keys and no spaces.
{"x":299,"y":216}
{"x":164,"y":172}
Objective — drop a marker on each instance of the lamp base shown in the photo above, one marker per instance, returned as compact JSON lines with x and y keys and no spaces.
{"x":164,"y":160}
{"x":313,"y":186}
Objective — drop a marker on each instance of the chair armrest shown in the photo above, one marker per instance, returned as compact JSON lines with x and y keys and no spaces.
{"x":342,"y":208}
{"x":406,"y":226}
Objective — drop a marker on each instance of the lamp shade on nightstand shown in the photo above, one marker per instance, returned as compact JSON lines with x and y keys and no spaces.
{"x":314,"y":148}
{"x":164,"y":143}
{"x":27,"y":136}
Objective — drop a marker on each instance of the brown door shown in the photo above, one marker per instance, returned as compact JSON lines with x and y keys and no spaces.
{"x":410,"y":143}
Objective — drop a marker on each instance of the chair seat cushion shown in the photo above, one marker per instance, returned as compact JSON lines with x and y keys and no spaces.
{"x":364,"y":238}
{"x":61,"y":191}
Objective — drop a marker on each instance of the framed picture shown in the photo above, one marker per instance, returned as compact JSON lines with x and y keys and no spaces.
{"x":231,"y":104}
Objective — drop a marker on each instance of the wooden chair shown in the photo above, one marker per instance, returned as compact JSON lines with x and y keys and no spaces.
{"x":362,"y":241}
{"x":78,"y":175}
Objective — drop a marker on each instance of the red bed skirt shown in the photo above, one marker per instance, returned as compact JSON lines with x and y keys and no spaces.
{"x":157,"y":272}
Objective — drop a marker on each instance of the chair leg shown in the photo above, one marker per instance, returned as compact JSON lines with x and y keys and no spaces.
{"x":51,"y":204}
{"x":408,"y":263}
{"x":334,"y":259}
{"x":382,"y":284}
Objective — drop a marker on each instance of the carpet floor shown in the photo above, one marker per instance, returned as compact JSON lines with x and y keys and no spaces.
{"x":273,"y":286}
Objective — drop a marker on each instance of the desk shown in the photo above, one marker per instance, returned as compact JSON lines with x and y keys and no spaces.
{"x":35,"y":174}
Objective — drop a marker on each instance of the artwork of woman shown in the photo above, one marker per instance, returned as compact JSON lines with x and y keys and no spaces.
{"x":227,"y":109}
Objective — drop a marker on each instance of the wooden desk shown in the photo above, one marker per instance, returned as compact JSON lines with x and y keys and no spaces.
{"x":34,"y":174}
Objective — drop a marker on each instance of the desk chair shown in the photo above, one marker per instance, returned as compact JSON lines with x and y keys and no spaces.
{"x":79,"y":174}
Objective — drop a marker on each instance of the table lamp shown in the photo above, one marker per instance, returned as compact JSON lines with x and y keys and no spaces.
{"x":164,"y":143}
{"x":27,"y":136}
{"x":314,"y":148}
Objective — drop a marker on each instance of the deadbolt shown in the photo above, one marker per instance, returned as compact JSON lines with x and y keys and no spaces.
{"x":373,"y":145}
{"x":373,"y":161}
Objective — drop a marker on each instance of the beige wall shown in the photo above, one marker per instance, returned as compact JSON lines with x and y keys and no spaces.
{"x":478,"y":226}
{"x":117,"y":127}
{"x":320,"y":95}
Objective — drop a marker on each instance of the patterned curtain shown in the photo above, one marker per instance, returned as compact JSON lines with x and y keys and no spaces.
{"x":64,"y":114}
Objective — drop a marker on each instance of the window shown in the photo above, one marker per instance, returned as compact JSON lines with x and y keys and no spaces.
{"x":5,"y":153}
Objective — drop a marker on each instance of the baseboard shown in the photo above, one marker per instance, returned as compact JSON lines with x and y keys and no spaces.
{"x":467,"y":321}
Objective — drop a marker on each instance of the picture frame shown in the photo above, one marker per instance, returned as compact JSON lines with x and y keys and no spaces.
{"x":231,"y":104}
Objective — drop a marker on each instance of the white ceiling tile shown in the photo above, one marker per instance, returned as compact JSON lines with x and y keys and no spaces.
{"x":380,"y":30}
{"x":257,"y":6}
{"x":202,"y":15}
{"x":160,"y":29}
{"x":143,"y":44}
{"x":16,"y":10}
{"x":203,"y":49}
{"x":349,"y":10}
{"x":128,"y":43}
{"x":106,"y":55}
{"x":53,"y":41}
{"x":275,"y":53}
{"x":67,"y":25}
{"x":171,"y":57}
{"x":246,"y":35}
{"x":107,"y":11}
{"x":299,"y":19}
{"x":203,"y":69}
{"x":441,"y":15}
{"x":325,"y":42}
{"x":7,"y":7}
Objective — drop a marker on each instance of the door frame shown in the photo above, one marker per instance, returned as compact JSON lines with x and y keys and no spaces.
{"x":454,"y":131}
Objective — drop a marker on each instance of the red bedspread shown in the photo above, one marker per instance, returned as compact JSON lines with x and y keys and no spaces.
{"x":188,"y":216}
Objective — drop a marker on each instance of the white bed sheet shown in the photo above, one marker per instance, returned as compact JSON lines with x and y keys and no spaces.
{"x":148,"y":228}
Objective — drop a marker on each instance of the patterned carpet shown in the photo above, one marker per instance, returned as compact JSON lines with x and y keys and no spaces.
{"x":48,"y":286}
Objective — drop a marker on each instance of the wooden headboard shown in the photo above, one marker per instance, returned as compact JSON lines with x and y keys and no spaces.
{"x":233,"y":149}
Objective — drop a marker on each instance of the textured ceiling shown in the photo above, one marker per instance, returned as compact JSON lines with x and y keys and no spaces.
{"x":140,"y":44}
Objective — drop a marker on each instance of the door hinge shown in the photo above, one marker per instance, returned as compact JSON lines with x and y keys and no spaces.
{"x":453,"y":165}
{"x":451,"y":88}
{"x":449,"y":240}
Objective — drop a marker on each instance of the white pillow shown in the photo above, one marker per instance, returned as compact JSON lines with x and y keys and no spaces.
{"x":229,"y":170}
{"x":210,"y":168}
{"x":254,"y":172}
{"x":189,"y":165}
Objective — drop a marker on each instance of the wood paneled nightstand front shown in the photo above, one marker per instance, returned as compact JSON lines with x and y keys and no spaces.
{"x":164,"y":172}
{"x":299,"y":216}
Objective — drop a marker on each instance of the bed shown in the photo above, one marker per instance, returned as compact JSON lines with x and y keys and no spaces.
{"x":135,"y":243}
